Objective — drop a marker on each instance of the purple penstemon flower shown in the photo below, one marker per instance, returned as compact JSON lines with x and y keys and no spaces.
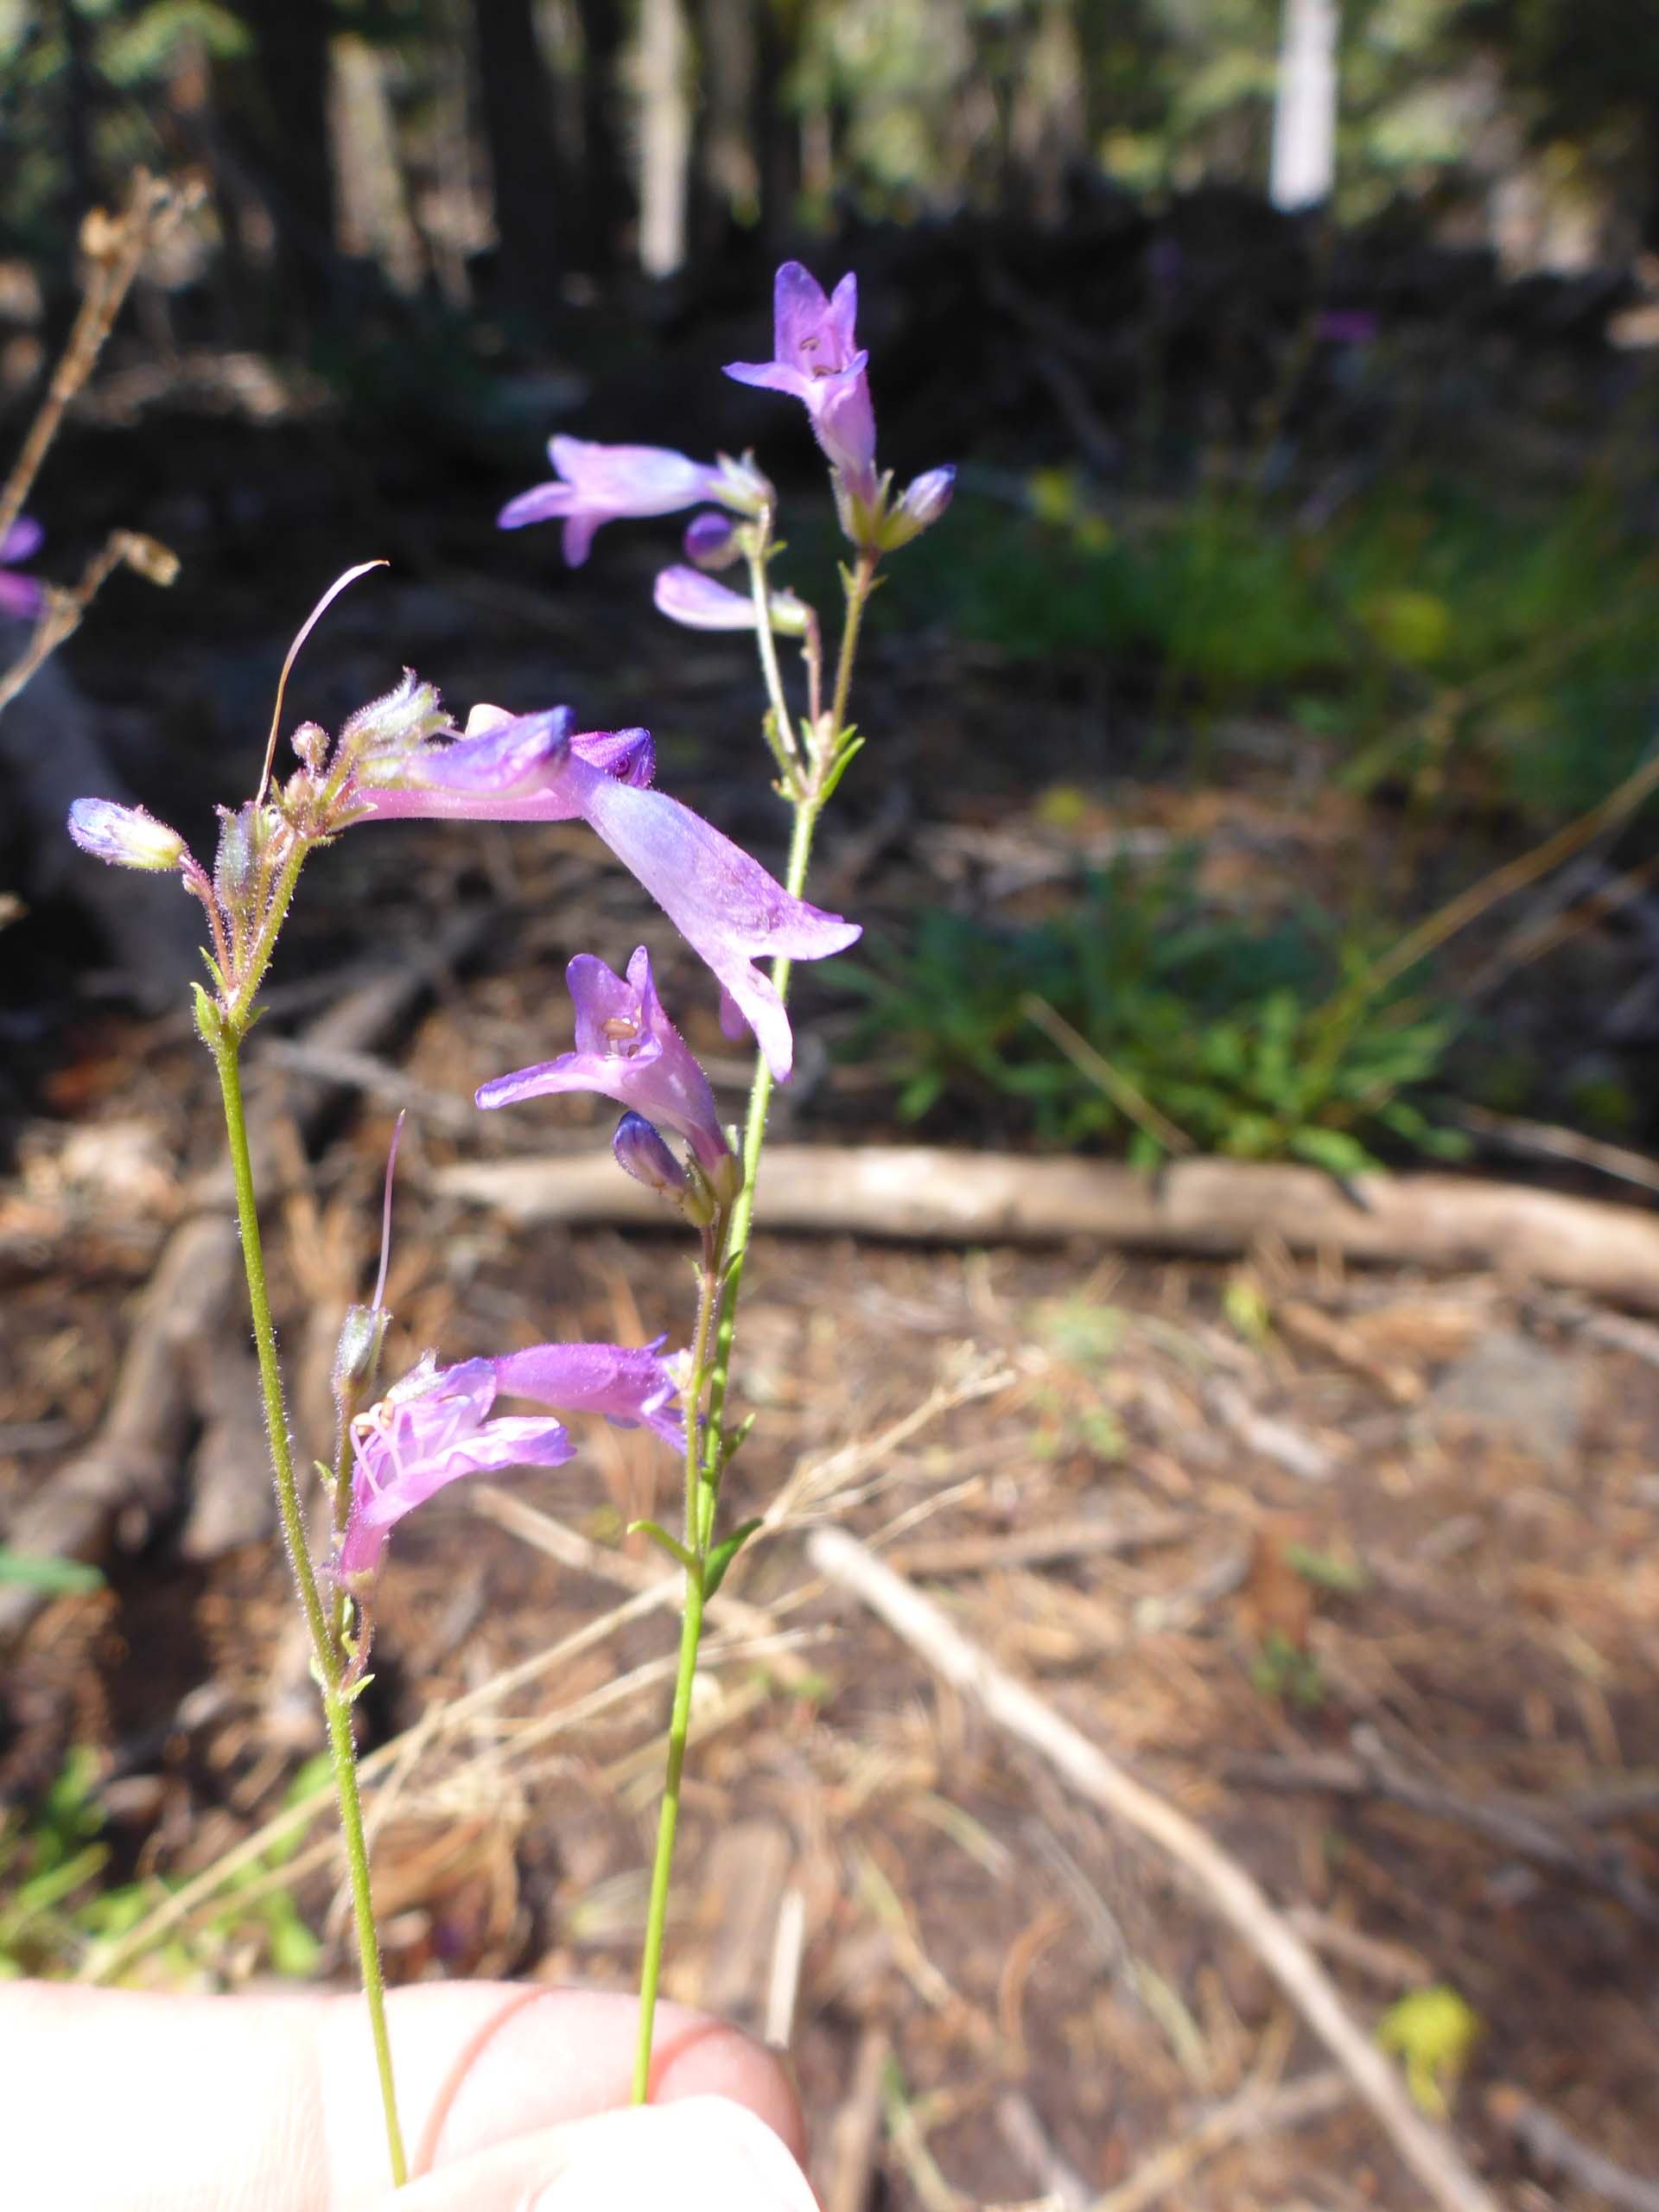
{"x":817,"y":360}
{"x":627,"y":1049}
{"x":21,"y":595}
{"x":597,"y":484}
{"x":729,"y":910}
{"x":688,"y":596}
{"x":438,"y":1425}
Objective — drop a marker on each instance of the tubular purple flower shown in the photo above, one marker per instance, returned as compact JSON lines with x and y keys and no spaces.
{"x":817,"y":358}
{"x":627,"y":1049}
{"x":724,"y":904}
{"x":437,"y":1425}
{"x":599,"y":484}
{"x":21,"y":595}
{"x":687,"y":595}
{"x":125,"y":836}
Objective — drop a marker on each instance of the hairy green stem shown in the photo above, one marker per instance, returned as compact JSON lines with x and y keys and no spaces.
{"x":680,"y":1717}
{"x":224,"y":1043}
{"x":705,"y":1454}
{"x":785,"y":750}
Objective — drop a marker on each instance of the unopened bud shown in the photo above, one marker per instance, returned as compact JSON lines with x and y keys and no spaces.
{"x":358,"y":1353}
{"x":726,"y":1179}
{"x":310,"y":743}
{"x":125,"y":835}
{"x":712,"y":540}
{"x":743,"y":488}
{"x":640,"y":1150}
{"x":922,"y":505}
{"x":233,"y":863}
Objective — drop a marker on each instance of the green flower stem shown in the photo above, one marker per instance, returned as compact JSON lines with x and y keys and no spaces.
{"x":759,"y":549}
{"x":737,"y":1244}
{"x":337,"y":1705}
{"x":691,"y":1638}
{"x":224,"y":1041}
{"x":722,"y":1280}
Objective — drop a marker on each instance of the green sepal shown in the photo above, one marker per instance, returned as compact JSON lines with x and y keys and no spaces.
{"x":357,"y":1689}
{"x":210,"y":1025}
{"x":839,"y":767}
{"x":722,"y":1555}
{"x":671,"y":1545}
{"x":734,"y":1439}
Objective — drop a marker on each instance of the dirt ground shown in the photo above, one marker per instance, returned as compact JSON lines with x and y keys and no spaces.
{"x":1356,"y":1568}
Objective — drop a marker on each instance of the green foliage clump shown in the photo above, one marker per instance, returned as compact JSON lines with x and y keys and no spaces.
{"x":55,"y":1907}
{"x":1246,"y":1037}
{"x":1424,"y":630}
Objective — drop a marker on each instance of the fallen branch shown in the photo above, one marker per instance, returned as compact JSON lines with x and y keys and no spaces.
{"x":1426,"y":2149}
{"x":1217,"y":1207}
{"x":1258,"y":2109}
{"x":1528,"y":1832}
{"x":1557,"y":2150}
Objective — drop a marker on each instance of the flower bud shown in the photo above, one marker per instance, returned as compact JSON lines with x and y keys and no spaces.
{"x":234,"y":863}
{"x":923,"y":503}
{"x":639,"y":1149}
{"x":358,"y":1353}
{"x":742,"y":487}
{"x":125,"y":835}
{"x":711,"y":540}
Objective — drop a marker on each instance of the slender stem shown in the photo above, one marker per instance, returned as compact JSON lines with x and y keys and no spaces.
{"x":737,"y":1242}
{"x":680,"y":1717}
{"x":225,"y":1042}
{"x":337,"y":1704}
{"x":705,"y":1454}
{"x":226,"y":1055}
{"x":786,"y":750}
{"x":858,"y":595}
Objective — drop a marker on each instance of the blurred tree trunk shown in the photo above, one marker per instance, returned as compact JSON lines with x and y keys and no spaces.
{"x":603,"y":204}
{"x":1305,"y":111}
{"x":776,"y":140}
{"x":517,"y":93}
{"x":1047,"y":125}
{"x":286,"y":112}
{"x":662,"y":65}
{"x":728,"y":172}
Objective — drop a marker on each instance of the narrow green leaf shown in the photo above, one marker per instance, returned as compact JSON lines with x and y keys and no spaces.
{"x":671,"y":1545}
{"x":723,"y":1554}
{"x":56,"y":1577}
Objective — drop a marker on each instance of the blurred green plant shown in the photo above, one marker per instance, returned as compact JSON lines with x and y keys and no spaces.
{"x":1425,"y":630}
{"x":1178,"y":1028}
{"x":54,"y":1905}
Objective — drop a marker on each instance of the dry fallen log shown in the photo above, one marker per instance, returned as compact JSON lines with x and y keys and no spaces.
{"x":1426,"y":2149}
{"x":1216,"y":1207}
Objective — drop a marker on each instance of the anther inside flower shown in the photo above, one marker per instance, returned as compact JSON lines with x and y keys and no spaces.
{"x":627,"y":1049}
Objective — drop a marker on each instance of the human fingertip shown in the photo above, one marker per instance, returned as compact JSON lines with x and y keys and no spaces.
{"x":700,"y":2154}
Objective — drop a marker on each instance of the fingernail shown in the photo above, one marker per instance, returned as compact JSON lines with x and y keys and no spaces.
{"x":700,"y":2154}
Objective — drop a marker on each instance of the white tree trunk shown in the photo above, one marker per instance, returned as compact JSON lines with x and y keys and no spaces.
{"x":665,"y":136}
{"x":1305,"y":111}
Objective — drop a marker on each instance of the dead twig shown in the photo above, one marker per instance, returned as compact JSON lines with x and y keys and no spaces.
{"x":1554,"y":2146}
{"x":1526,"y":1832}
{"x":1426,"y":2149}
{"x":1259,"y":2108}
